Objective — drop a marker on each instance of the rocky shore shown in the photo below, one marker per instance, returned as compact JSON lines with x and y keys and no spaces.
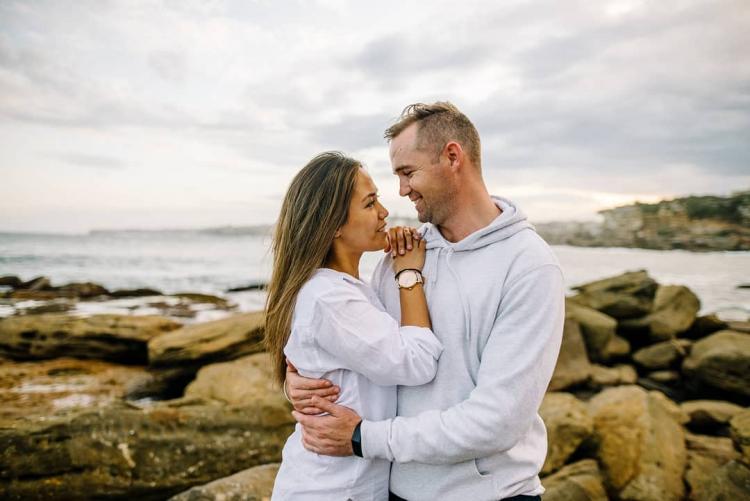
{"x":648,"y":401}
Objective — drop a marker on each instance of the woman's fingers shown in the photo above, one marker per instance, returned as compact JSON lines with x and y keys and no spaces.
{"x":408,"y":238}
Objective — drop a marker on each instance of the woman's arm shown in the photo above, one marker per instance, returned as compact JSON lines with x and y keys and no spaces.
{"x":409,"y":253}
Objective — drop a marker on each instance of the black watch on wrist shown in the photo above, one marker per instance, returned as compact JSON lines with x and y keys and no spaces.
{"x":357,"y":440}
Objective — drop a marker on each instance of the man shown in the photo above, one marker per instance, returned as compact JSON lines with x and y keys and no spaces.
{"x":496,"y":300}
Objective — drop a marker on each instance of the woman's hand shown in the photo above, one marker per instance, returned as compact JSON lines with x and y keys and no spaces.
{"x":407,"y":248}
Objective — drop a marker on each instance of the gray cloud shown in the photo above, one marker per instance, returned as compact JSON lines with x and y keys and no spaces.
{"x":91,"y":161}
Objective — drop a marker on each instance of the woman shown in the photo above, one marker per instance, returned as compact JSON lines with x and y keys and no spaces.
{"x":330,"y":324}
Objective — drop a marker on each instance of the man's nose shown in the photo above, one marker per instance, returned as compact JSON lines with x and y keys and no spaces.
{"x":403,"y":187}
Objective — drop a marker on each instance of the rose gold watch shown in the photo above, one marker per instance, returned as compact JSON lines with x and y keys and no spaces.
{"x":408,"y":278}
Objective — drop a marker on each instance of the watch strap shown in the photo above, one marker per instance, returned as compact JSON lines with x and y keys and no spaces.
{"x":357,"y":440}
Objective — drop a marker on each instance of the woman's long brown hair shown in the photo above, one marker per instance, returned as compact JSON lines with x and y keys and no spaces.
{"x":315,"y":206}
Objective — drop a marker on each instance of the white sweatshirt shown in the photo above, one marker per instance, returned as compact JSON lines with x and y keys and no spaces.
{"x":496,"y":301}
{"x":341,"y":332}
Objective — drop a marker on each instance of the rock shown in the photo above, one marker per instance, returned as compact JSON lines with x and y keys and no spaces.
{"x":208,"y":342}
{"x":740,"y":430}
{"x":568,"y":424}
{"x":665,"y":377}
{"x":602,"y":376}
{"x":674,"y":311}
{"x":218,"y":302}
{"x":597,"y":328}
{"x":720,"y":449}
{"x":118,"y":338}
{"x":35,"y":284}
{"x":629,"y":295}
{"x":126,"y":452}
{"x":722,"y":361}
{"x":48,"y":387}
{"x":84,"y":290}
{"x":10,"y":281}
{"x":581,"y":481}
{"x":662,"y":355}
{"x":573,"y":366}
{"x":739,"y":326}
{"x":59,"y":305}
{"x":120,"y":293}
{"x":618,"y":348}
{"x":33,"y":295}
{"x":641,"y":444}
{"x":709,"y":414}
{"x":703,"y":326}
{"x":729,"y":482}
{"x":254,"y":484}
{"x":245,"y":381}
{"x":254,"y":286}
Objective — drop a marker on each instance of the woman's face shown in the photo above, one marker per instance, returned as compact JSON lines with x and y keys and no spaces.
{"x":364,"y":229}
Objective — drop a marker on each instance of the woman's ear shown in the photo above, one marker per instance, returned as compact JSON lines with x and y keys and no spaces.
{"x":337,"y":234}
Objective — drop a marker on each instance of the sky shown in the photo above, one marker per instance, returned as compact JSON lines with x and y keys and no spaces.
{"x":184,"y":114}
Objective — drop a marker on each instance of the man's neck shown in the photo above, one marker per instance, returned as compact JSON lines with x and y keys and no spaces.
{"x":469,"y":216}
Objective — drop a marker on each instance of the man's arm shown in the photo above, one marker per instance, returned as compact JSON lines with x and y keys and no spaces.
{"x":516,"y":367}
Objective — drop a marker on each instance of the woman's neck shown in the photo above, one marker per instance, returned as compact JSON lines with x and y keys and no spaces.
{"x":344,"y":262}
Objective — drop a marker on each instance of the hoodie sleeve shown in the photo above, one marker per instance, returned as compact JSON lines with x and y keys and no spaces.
{"x":513,"y":376}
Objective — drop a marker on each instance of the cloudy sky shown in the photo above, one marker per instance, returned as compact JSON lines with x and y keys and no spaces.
{"x":139,"y":114}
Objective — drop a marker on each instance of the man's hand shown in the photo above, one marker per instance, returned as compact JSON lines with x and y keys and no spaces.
{"x":300,"y":390}
{"x":329,"y":435}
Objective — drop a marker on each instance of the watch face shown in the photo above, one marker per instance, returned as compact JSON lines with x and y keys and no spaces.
{"x":407,"y":279}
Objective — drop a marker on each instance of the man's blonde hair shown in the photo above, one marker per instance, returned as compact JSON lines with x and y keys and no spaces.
{"x":438,"y":124}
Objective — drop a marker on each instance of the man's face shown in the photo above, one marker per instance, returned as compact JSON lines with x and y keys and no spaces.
{"x":423,"y":181}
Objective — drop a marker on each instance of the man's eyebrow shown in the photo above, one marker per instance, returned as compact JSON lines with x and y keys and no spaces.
{"x":401,"y":167}
{"x":373,"y":194}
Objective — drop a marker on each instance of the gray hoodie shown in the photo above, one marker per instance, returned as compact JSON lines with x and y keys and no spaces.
{"x":496,"y":301}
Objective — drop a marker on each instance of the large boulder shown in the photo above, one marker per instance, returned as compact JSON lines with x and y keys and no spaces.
{"x":709,"y":414}
{"x":568,"y":424}
{"x":640,"y":443}
{"x":664,"y":355}
{"x":254,"y":484}
{"x":721,"y":361}
{"x":674,"y":311}
{"x":581,"y":481}
{"x":245,"y":381}
{"x":573,"y":366}
{"x":126,"y":452}
{"x":209,"y":342}
{"x":629,"y":295}
{"x":706,"y":454}
{"x":740,"y":429}
{"x":83,"y":290}
{"x":119,"y":338}
{"x":597,"y":328}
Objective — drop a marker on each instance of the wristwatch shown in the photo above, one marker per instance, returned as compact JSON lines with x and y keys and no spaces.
{"x":357,"y":440}
{"x":408,"y":278}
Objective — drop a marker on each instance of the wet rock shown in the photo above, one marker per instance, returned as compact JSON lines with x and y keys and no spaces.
{"x":581,"y":481}
{"x":703,"y":326}
{"x":640,"y":443}
{"x":597,"y":328}
{"x":602,"y":376}
{"x":674,"y":311}
{"x":710,"y":414}
{"x":49,"y":387}
{"x":722,"y":361}
{"x":34,"y":295}
{"x":254,"y":286}
{"x":126,"y":452}
{"x":244,"y":381}
{"x":216,"y":301}
{"x":254,"y":484}
{"x":10,"y":281}
{"x":118,"y":338}
{"x":740,"y":430}
{"x":208,"y":342}
{"x":729,"y":482}
{"x":35,"y":284}
{"x":705,"y":456}
{"x":629,"y":295}
{"x":573,"y":366}
{"x":662,"y":355}
{"x":568,"y":424}
{"x":121,"y":293}
{"x":83,"y":290}
{"x":59,"y":305}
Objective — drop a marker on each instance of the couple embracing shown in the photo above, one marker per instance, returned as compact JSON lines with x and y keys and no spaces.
{"x":424,"y":384}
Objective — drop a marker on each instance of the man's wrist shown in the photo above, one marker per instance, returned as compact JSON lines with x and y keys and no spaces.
{"x":357,"y":440}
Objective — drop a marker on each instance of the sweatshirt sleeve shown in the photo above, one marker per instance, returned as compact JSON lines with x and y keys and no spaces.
{"x":516,"y":367}
{"x":369,"y":341}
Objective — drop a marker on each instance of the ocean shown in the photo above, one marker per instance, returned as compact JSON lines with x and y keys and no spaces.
{"x":212,"y":262}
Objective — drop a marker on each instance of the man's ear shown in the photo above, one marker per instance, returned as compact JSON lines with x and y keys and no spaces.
{"x":454,"y":152}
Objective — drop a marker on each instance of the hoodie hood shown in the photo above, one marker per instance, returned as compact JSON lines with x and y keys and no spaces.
{"x":511,"y":221}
